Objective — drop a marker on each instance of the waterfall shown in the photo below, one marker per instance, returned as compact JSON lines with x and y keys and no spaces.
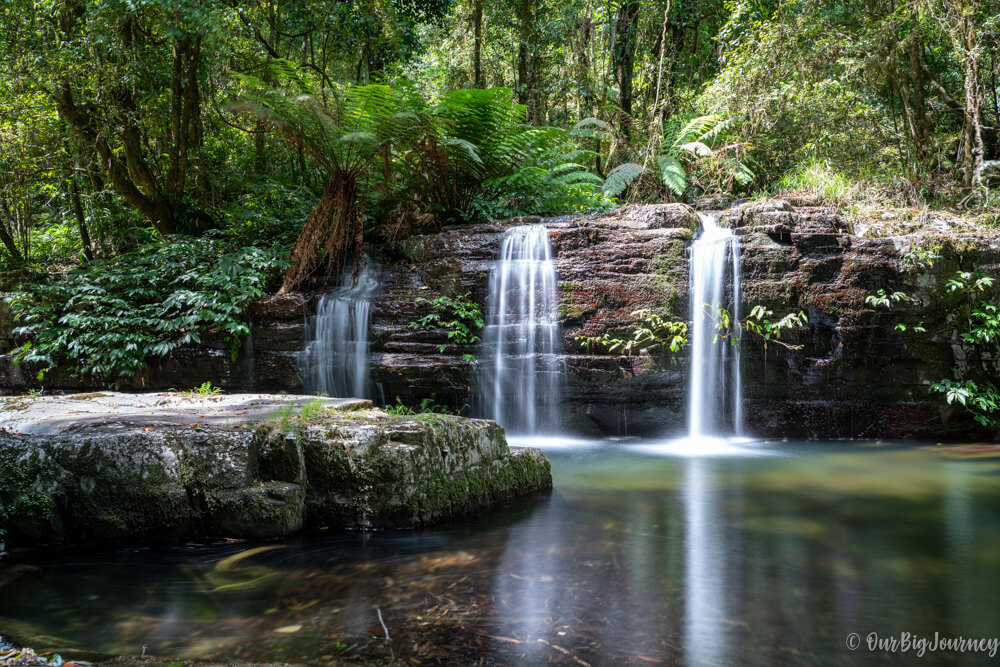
{"x":336,"y":358}
{"x":715,"y":392}
{"x":521,"y":377}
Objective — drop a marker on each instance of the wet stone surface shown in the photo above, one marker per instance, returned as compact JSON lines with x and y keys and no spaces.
{"x":156,"y":468}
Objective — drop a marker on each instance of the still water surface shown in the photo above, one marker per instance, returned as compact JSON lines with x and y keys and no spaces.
{"x":762,"y":554}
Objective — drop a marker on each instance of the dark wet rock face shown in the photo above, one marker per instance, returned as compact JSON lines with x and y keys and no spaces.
{"x":170,"y":467}
{"x":854,"y":375}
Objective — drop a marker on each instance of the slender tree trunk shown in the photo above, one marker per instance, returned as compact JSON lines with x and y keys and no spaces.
{"x":974,"y":149}
{"x":81,"y":219}
{"x":477,"y":49}
{"x":524,"y":79}
{"x":623,"y":57}
{"x":185,"y":112}
{"x":921,"y":131}
{"x":901,"y":87}
{"x":7,"y":237}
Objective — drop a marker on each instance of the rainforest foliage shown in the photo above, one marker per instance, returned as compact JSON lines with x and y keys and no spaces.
{"x":281,"y":137}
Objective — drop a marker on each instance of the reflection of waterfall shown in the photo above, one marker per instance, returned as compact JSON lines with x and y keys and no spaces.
{"x":714,"y":395}
{"x":336,"y":357}
{"x":534,"y":586}
{"x":521,"y":376}
{"x":705,"y":559}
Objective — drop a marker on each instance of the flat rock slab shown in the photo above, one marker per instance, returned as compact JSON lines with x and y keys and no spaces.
{"x":147,"y":468}
{"x":50,"y":415}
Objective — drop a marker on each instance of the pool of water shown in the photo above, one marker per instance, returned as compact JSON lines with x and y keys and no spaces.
{"x":645,"y":553}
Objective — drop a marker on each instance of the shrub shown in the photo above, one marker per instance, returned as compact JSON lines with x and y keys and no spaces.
{"x":110,"y":317}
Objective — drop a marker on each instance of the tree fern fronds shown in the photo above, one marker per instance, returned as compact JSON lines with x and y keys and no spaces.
{"x":672,"y":174}
{"x":695,"y":148}
{"x":621,"y":177}
{"x":694,"y":130}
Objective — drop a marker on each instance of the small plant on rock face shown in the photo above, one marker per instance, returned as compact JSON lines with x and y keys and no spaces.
{"x":461,"y":319}
{"x":283,"y":418}
{"x":921,"y":258}
{"x":882,"y":300}
{"x":288,"y":418}
{"x":427,"y":407}
{"x":654,"y":334}
{"x":313,"y":409}
{"x":979,"y":324}
{"x":980,"y":399}
{"x":760,"y":322}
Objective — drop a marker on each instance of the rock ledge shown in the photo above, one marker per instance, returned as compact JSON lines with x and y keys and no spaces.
{"x":170,"y":467}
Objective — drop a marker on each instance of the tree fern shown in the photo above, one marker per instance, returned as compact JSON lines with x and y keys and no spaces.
{"x":621,"y":177}
{"x":673,"y":174}
{"x":345,"y":131}
{"x":685,"y":153}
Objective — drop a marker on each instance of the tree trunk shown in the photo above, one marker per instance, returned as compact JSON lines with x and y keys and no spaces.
{"x":974,"y":150}
{"x":332,"y":231}
{"x":477,"y":52}
{"x":8,"y":238}
{"x":185,"y":112}
{"x":623,"y":57}
{"x":81,"y":219}
{"x":156,"y":209}
{"x":920,"y":128}
{"x":524,"y":79}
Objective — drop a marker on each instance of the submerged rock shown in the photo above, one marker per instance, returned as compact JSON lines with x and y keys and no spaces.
{"x":169,"y":467}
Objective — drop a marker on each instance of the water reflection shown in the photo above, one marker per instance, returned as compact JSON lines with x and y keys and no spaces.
{"x":636,"y":558}
{"x":705,"y":578}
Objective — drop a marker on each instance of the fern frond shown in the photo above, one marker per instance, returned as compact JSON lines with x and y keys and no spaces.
{"x":719,"y":127}
{"x":591,"y":128}
{"x":696,"y":148}
{"x":575,"y":177}
{"x":693,"y":131}
{"x":621,"y":177}
{"x":672,"y":174}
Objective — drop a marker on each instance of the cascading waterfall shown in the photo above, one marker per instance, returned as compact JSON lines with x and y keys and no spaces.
{"x":336,"y":359}
{"x":521,"y":378}
{"x":715,"y":392}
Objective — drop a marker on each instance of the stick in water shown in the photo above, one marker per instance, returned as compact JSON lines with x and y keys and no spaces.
{"x":379,"y":610}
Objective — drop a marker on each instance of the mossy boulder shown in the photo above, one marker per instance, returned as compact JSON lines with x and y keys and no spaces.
{"x":380,"y":471}
{"x":169,"y":467}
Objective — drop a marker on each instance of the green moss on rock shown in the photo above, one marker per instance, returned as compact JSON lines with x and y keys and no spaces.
{"x":362,"y":468}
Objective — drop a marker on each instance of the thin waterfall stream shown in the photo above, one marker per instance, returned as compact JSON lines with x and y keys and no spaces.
{"x":521,"y":377}
{"x":715,"y":388}
{"x":336,"y":359}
